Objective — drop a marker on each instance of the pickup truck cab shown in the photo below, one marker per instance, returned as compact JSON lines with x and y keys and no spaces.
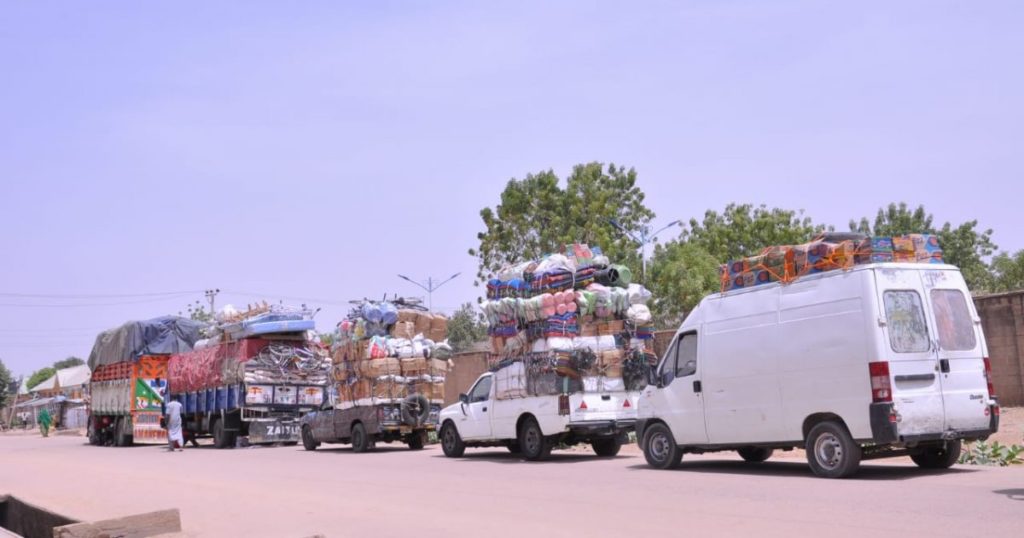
{"x":532,"y":425}
{"x":408,"y":421}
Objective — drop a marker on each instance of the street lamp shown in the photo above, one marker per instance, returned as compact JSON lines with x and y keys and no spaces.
{"x":643,"y":241}
{"x":430,"y":287}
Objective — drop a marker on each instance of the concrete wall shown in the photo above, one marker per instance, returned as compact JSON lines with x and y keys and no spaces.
{"x":1002,"y":319}
{"x":466,"y":368}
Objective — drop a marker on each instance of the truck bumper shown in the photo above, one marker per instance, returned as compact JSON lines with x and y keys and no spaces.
{"x":602,"y":427}
{"x":274,"y":431}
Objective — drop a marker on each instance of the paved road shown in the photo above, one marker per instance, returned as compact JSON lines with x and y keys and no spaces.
{"x":287,"y":492}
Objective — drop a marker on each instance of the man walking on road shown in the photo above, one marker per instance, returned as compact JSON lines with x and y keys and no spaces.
{"x":44,"y":421}
{"x":174,"y":437}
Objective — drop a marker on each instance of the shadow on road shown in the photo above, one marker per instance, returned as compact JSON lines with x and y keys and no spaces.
{"x":495,"y":456}
{"x":347,"y":449}
{"x":802,"y":470}
{"x":1012,"y":494}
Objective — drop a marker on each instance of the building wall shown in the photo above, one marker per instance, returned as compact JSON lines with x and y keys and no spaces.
{"x":1002,"y":319}
{"x":466,"y":367}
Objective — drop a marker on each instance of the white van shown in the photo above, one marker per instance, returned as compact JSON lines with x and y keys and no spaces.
{"x":876,"y":361}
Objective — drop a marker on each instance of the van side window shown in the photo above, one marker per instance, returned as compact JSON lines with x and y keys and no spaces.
{"x":686,"y":355}
{"x":908,"y":332}
{"x":481,"y":391}
{"x":953,"y":320}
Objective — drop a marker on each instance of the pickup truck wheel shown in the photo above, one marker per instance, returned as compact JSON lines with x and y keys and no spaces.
{"x":606,"y":448}
{"x":938,"y":457}
{"x":307,"y":439}
{"x":451,"y":441}
{"x":755,"y":454}
{"x":416,"y":441}
{"x":534,"y":445}
{"x":660,"y":448}
{"x":513,"y":447}
{"x":832,"y":452}
{"x":360,"y":440}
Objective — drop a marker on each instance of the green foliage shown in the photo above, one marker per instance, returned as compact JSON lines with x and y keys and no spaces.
{"x":466,"y":327}
{"x":680,"y":275}
{"x":68,"y":363}
{"x":326,"y":339}
{"x":962,"y":245}
{"x":1008,"y":272}
{"x":5,"y":381}
{"x":537,"y":217}
{"x":198,"y":312}
{"x":744,"y":230}
{"x":39,"y":376}
{"x":982,"y":453}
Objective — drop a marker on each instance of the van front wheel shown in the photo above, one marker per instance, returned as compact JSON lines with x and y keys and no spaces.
{"x":938,"y":457}
{"x":660,"y":448}
{"x":832,"y":452}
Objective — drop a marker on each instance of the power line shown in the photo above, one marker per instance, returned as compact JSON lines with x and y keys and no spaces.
{"x":78,"y":305}
{"x":94,"y":296}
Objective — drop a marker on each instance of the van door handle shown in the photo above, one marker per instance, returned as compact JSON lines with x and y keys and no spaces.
{"x":944,"y":365}
{"x":485,"y":410}
{"x":697,"y":386}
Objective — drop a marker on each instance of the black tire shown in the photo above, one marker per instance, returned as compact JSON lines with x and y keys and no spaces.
{"x":307,"y":439}
{"x":416,"y":441}
{"x":221,"y":437}
{"x":94,"y":436}
{"x":415,"y":410}
{"x":660,"y":448}
{"x":607,"y":448}
{"x":532,"y":442}
{"x":938,"y":457}
{"x":513,"y":447}
{"x":122,"y":437}
{"x":451,"y":441}
{"x":755,"y":454}
{"x":360,"y":439}
{"x":831,"y":451}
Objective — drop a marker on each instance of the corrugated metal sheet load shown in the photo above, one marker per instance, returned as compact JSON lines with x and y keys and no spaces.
{"x":387,"y":351}
{"x":569,"y":322}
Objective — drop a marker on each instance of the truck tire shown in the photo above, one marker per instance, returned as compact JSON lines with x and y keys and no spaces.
{"x":307,"y":439}
{"x":755,"y":454}
{"x":360,"y":439}
{"x":660,"y":448}
{"x":415,"y":410}
{"x":451,"y":441}
{"x":938,"y":457}
{"x":532,"y":442}
{"x":221,"y":437}
{"x":607,"y":448}
{"x":122,"y":432}
{"x":94,"y":435}
{"x":831,"y":451}
{"x":513,"y":447}
{"x":416,"y":440}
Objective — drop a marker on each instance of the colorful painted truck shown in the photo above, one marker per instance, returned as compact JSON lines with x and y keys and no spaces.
{"x":129,"y":379}
{"x":255,"y":388}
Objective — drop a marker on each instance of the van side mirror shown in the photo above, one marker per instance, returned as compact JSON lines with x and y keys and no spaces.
{"x":464,"y":398}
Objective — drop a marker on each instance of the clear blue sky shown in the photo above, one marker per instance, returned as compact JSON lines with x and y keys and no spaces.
{"x":317,"y":149}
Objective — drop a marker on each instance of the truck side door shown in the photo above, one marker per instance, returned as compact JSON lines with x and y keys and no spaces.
{"x":677,"y":398}
{"x":475,"y":423}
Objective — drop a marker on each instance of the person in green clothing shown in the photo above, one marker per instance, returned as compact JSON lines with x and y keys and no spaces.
{"x":44,"y":421}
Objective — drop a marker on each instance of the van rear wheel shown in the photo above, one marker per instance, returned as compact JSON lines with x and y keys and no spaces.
{"x":755,"y":454}
{"x":832,"y":452}
{"x":660,"y":448}
{"x":938,"y":457}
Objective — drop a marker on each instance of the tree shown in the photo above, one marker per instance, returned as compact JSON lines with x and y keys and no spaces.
{"x":39,"y":376}
{"x":744,"y":230}
{"x":68,"y":363}
{"x":466,"y":327}
{"x":5,"y":382}
{"x":537,"y":217}
{"x":962,"y":245}
{"x":198,"y":312}
{"x":681,"y":274}
{"x":1008,"y":272}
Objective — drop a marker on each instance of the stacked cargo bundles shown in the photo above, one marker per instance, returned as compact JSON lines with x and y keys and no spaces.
{"x":828,"y":252}
{"x":566,"y":323}
{"x":384,"y":353}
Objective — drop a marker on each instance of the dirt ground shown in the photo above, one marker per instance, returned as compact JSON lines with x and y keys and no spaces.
{"x":288,"y":492}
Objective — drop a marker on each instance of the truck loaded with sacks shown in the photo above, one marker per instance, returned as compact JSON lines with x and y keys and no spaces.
{"x":571,"y":338}
{"x":390,"y":359}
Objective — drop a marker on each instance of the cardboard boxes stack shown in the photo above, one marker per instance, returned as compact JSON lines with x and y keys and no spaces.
{"x":568,"y":322}
{"x":382,"y":354}
{"x":787,"y":263}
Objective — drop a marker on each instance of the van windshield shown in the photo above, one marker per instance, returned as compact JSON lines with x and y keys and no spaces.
{"x":908,"y":332}
{"x":953,"y":320}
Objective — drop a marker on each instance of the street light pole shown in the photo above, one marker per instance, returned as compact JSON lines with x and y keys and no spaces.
{"x":430,"y":287}
{"x":644,"y":239}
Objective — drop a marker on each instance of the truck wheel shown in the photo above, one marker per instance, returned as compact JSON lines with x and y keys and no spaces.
{"x":938,"y":457}
{"x":307,"y":439}
{"x":534,"y":445}
{"x":416,"y":441}
{"x":513,"y":447}
{"x":660,"y":448}
{"x":831,"y":451}
{"x":755,"y":454}
{"x":360,"y":440}
{"x":94,"y":436}
{"x":606,"y":448}
{"x":451,"y":442}
{"x":122,"y":432}
{"x":221,"y":438}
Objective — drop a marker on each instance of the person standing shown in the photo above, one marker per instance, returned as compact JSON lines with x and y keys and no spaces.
{"x":44,"y":419}
{"x":174,"y":437}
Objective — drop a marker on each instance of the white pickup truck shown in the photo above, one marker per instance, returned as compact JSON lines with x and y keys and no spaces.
{"x":499,"y":411}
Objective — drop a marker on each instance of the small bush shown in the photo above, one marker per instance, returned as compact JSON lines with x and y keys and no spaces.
{"x":996,"y":454}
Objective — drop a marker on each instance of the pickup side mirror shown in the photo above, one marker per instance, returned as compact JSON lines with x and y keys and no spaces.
{"x":464,"y":398}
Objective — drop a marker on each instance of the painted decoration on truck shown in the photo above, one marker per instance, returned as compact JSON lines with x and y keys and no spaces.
{"x":311,"y":395}
{"x":284,"y":395}
{"x":149,"y":394}
{"x":259,"y":394}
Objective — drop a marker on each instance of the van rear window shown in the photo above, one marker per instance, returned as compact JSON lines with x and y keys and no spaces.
{"x":953,"y":320}
{"x":904,"y":315}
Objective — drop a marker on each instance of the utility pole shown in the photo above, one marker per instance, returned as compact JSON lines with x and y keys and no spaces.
{"x":642,"y":241}
{"x":430,"y":287}
{"x":211,"y":295}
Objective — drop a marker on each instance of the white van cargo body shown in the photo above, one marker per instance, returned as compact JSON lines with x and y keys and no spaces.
{"x":879,"y":360}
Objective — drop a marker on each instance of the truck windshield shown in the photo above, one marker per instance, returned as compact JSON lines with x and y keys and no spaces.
{"x":953,"y":320}
{"x":908,"y":332}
